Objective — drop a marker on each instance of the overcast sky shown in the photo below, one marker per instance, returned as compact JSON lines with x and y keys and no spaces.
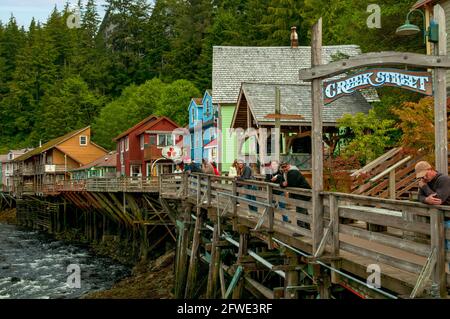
{"x":25,"y":10}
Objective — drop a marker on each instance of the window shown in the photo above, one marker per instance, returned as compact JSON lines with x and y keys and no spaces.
{"x":10,"y":156}
{"x":126,"y":144}
{"x":165,"y":140}
{"x":152,"y":139}
{"x":121,"y":145}
{"x":83,"y":140}
{"x":193,"y":115}
{"x":141,"y":141}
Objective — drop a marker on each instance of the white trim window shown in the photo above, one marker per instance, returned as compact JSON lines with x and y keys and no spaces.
{"x":122,"y":144}
{"x":127,"y":144}
{"x":83,"y":140}
{"x":141,"y":141}
{"x":164,"y":140}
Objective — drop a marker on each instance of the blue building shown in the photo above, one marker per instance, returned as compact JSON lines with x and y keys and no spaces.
{"x":203,"y":128}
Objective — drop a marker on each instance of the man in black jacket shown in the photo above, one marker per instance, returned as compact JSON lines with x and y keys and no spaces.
{"x":275,"y":175}
{"x":293,"y":178}
{"x":246,"y":174}
{"x":434,"y":188}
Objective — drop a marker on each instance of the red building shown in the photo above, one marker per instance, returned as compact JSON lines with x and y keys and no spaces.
{"x":139,"y":148}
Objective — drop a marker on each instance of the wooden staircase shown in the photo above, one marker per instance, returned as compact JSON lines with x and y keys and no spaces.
{"x":389,"y":176}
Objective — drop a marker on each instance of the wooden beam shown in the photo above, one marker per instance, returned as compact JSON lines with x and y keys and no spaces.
{"x":374,"y":59}
{"x":317,"y":149}
{"x":440,"y":97}
{"x":284,"y":116}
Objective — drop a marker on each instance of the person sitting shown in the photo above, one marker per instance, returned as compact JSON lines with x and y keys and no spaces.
{"x":434,"y":187}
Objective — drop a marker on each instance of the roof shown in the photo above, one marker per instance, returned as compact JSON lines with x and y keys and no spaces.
{"x":213,"y":143}
{"x":159,"y":119}
{"x":131,"y":129}
{"x":421,"y":3}
{"x":108,"y":160}
{"x":50,"y":144}
{"x":235,"y":65}
{"x":198,"y":100}
{"x":296,"y":99}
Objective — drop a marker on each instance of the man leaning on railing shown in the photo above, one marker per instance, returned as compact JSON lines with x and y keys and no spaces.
{"x":434,"y":189}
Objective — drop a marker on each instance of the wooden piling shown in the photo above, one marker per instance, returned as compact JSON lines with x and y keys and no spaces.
{"x":193,"y":262}
{"x":243,"y":251}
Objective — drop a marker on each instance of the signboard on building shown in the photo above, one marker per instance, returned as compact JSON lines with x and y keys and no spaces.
{"x":172,"y":152}
{"x":420,"y":82}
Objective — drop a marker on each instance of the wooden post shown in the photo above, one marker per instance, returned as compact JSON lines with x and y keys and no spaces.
{"x":270,"y":215}
{"x":208,"y":190}
{"x":183,"y":247}
{"x":334,"y":217}
{"x":214,"y":264}
{"x":243,"y":250}
{"x":291,"y":275}
{"x":234,"y":216}
{"x":440,"y":96}
{"x":192,"y":271}
{"x":277,"y":124}
{"x":438,"y":243}
{"x":392,"y":184}
{"x":317,"y":148}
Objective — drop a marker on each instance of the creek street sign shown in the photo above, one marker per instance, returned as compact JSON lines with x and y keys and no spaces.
{"x":420,"y":82}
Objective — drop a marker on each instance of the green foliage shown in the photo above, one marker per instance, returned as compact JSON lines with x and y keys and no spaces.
{"x":175,"y":99}
{"x":53,"y":78}
{"x":370,"y":136}
{"x":138,"y":102}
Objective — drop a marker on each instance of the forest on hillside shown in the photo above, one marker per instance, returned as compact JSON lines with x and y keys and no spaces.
{"x":151,"y":57}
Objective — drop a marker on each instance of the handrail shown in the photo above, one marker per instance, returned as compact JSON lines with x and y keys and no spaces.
{"x":392,"y":168}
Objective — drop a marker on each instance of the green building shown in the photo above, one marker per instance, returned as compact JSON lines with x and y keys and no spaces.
{"x":103,"y":167}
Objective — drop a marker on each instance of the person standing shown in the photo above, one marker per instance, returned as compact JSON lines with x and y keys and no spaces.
{"x":246,"y":174}
{"x":233,"y":169}
{"x":275,"y":175}
{"x":293,"y":178}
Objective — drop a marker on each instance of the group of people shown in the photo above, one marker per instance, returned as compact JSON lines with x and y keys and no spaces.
{"x":206,"y":167}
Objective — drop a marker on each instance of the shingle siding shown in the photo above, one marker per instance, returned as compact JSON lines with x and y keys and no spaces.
{"x":234,"y":65}
{"x":296,"y":99}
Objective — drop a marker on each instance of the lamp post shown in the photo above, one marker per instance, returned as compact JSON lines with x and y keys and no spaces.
{"x":436,"y":34}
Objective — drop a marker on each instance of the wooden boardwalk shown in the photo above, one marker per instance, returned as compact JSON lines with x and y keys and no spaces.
{"x":405,"y":239}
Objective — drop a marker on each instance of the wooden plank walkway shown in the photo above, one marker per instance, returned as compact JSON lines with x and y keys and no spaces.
{"x":396,"y":235}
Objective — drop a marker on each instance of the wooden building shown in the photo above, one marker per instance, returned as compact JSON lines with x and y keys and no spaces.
{"x":50,"y":163}
{"x":256,"y":109}
{"x":7,"y":167}
{"x":233,"y":66}
{"x":102,"y":167}
{"x":203,"y":118}
{"x":139,"y":147}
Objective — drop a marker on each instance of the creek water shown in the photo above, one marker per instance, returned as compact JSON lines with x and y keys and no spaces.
{"x":34,"y":266}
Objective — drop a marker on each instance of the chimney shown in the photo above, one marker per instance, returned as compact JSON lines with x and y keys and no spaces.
{"x":294,"y":37}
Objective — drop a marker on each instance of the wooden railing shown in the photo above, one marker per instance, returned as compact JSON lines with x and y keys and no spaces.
{"x":407,"y":239}
{"x":119,"y":184}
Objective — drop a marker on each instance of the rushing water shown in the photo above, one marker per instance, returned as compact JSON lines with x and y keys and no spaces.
{"x":35,"y":266}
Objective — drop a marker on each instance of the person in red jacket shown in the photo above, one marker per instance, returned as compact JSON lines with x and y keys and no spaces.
{"x":216,"y":171}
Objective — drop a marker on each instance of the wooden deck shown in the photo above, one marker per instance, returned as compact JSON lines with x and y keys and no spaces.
{"x":399,"y":236}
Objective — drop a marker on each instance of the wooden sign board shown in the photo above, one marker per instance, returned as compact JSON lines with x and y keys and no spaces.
{"x":420,"y":82}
